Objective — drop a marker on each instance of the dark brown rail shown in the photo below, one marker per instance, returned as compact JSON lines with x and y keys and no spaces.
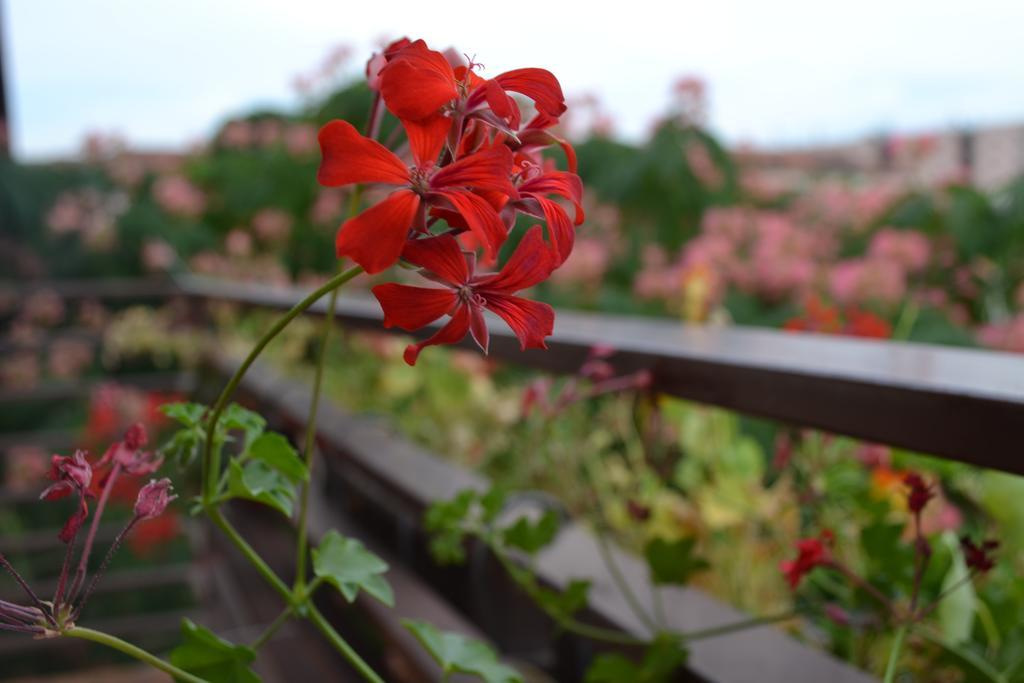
{"x":961,"y":404}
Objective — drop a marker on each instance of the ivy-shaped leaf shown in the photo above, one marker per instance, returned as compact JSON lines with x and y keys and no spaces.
{"x":444,"y":519}
{"x":564,"y":603}
{"x":187,"y":414}
{"x":530,"y":536}
{"x":259,"y":482}
{"x":251,"y":423}
{"x":212,"y":658}
{"x":458,"y":654}
{"x":186,"y":443}
{"x":274,"y":450}
{"x":347,"y":565}
{"x":673,"y":561}
{"x":662,"y":659}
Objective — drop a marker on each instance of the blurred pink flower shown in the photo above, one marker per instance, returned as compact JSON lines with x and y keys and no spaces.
{"x":68,"y":357}
{"x":272,"y":225}
{"x":238,"y":242}
{"x":300,"y":139}
{"x":1007,"y":335}
{"x":238,"y":135}
{"x":158,"y":256}
{"x":327,"y":207}
{"x":176,"y":195}
{"x":586,"y":265}
{"x":909,"y":248}
{"x":858,"y":281}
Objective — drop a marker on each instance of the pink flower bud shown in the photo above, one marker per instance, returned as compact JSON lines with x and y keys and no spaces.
{"x":153,"y":499}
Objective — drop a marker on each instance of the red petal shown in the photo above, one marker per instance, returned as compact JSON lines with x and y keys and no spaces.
{"x":412,"y":307}
{"x":426,"y":138}
{"x":417,"y":82}
{"x":531,"y":321}
{"x":485,"y":170}
{"x":531,"y":263}
{"x":478,"y":328}
{"x":540,"y":85}
{"x":481,"y":218}
{"x":566,"y":185}
{"x":560,"y":229}
{"x":501,"y":104}
{"x":374,"y":239}
{"x":451,"y":333}
{"x":440,"y":255}
{"x":349,"y":157}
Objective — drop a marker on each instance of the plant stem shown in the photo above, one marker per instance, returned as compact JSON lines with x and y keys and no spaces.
{"x":132,"y":651}
{"x":894,"y":654}
{"x":620,"y":580}
{"x":211,"y":455}
{"x":83,"y":561}
{"x":302,"y":542}
{"x":28,"y":589}
{"x":103,"y":566}
{"x":275,"y":625}
{"x":342,"y":646}
{"x":737,"y":626}
{"x":250,"y":554}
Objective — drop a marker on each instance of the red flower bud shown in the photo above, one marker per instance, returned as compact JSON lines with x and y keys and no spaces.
{"x":979,"y":556}
{"x":920,"y":492}
{"x":135,"y":437}
{"x":153,"y":499}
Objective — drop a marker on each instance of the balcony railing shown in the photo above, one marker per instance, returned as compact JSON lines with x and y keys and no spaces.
{"x":958,"y":404}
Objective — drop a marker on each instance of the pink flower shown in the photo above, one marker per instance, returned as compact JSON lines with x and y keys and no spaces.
{"x":811,"y":553}
{"x":153,"y":499}
{"x":158,"y":256}
{"x":176,"y":195}
{"x":272,"y":225}
{"x":70,"y":475}
{"x":909,"y":248}
{"x":129,"y":455}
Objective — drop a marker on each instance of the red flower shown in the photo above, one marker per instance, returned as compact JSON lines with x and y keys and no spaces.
{"x":467,"y":294}
{"x":920,"y":492}
{"x":129,"y":455}
{"x":811,"y":553}
{"x":419,"y":84}
{"x":71,"y":475}
{"x":533,"y":201}
{"x":374,"y":239}
{"x":979,"y":557}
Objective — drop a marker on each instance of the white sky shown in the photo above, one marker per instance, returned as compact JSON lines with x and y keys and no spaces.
{"x":781,"y":72}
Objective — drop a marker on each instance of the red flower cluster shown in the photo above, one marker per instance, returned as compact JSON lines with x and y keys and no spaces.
{"x":811,"y":553}
{"x":823,"y":318}
{"x":978,"y":556}
{"x":918,"y":493}
{"x":472,"y":166}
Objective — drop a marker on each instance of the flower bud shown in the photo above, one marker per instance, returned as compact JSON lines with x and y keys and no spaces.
{"x":153,"y":499}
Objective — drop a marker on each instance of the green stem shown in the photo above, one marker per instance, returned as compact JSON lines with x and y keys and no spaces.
{"x":342,"y":646}
{"x":211,"y":455}
{"x":737,"y":626}
{"x":250,"y":554}
{"x":894,"y":654}
{"x":275,"y":625}
{"x":132,"y":651}
{"x":620,"y":580}
{"x":302,"y":542}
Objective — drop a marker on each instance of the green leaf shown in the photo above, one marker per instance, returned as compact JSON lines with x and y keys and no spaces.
{"x":212,"y":658}
{"x":275,"y":451}
{"x":530,"y":536}
{"x":492,"y":503}
{"x":458,"y":654}
{"x":258,"y":482}
{"x":444,"y":519}
{"x":347,"y":565}
{"x":188,"y":414}
{"x":957,"y":610}
{"x":673,"y":561}
{"x":661,"y":660}
{"x":237,"y":417}
{"x":567,"y":602}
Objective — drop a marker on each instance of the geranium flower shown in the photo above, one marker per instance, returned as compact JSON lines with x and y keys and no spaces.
{"x":919,"y":492}
{"x":533,"y":200}
{"x":811,"y":553}
{"x":466,"y":295}
{"x":129,"y":455}
{"x":978,"y":556}
{"x":70,"y":475}
{"x":375,"y":238}
{"x":419,"y":85}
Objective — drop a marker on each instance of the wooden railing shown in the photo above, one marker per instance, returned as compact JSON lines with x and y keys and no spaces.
{"x":959,"y":404}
